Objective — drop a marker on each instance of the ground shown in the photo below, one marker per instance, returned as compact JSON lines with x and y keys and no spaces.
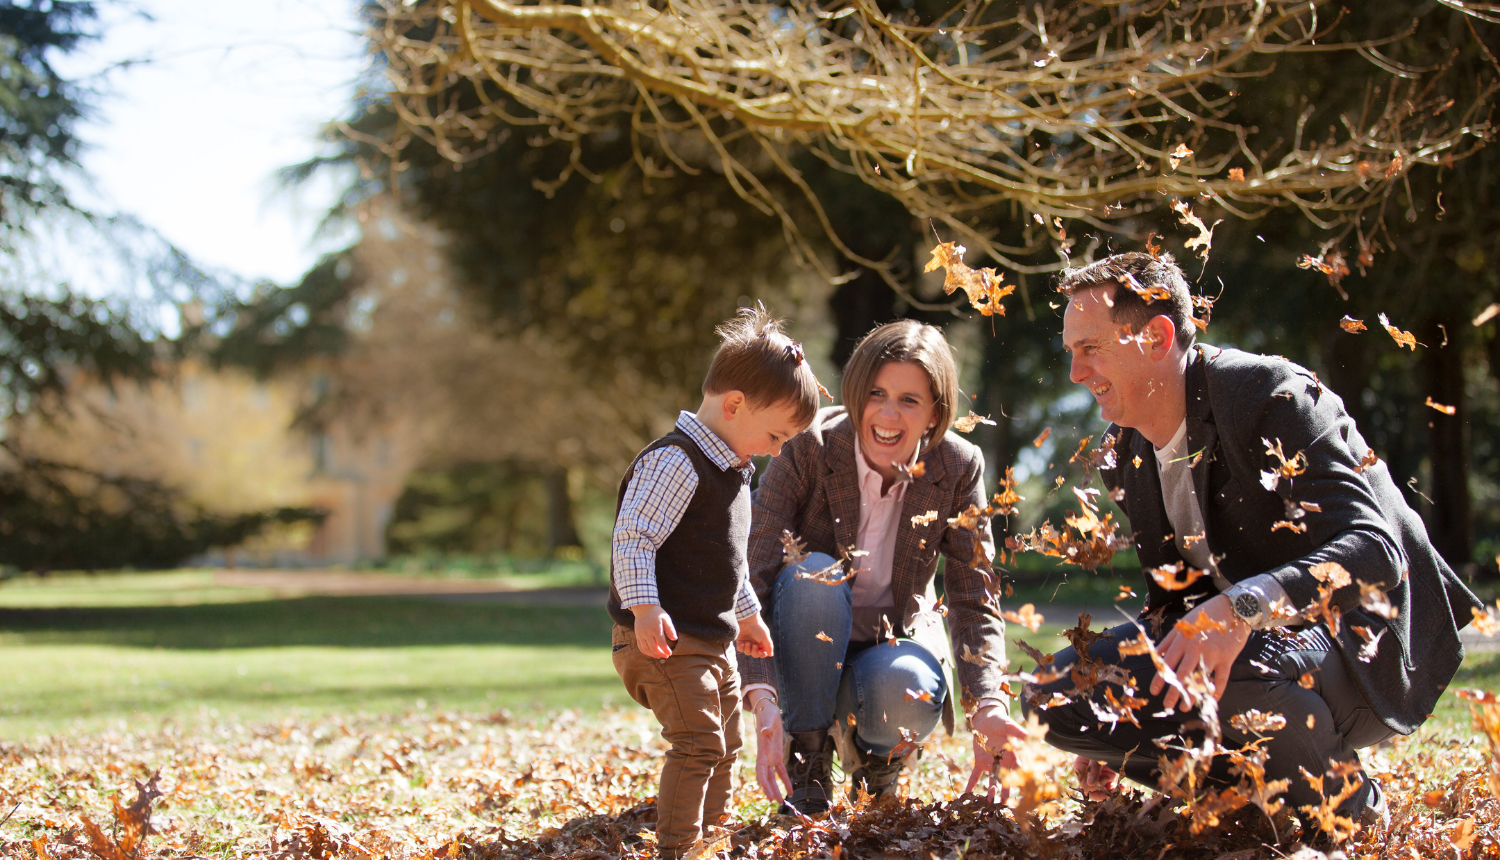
{"x":486,"y":722}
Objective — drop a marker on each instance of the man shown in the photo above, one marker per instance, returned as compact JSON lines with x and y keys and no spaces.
{"x":1205,"y":497}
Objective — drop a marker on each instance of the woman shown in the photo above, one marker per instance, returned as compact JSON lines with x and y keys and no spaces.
{"x":874,"y":483}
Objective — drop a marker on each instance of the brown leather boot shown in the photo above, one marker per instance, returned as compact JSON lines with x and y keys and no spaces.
{"x":810,"y":765}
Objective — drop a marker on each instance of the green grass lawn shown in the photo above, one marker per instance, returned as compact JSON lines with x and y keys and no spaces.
{"x":139,"y":649}
{"x":132,"y":650}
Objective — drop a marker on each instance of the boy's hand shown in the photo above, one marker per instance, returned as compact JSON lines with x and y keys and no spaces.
{"x":754,"y":638}
{"x":653,"y":629}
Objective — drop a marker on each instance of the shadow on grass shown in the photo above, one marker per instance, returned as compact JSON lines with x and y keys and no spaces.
{"x":353,"y":622}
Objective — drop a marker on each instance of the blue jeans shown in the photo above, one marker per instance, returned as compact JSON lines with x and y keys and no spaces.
{"x":825,"y":682}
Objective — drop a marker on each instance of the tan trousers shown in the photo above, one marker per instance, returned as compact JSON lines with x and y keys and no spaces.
{"x":695,"y":695}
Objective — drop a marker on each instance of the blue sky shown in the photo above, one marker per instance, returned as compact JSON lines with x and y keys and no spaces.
{"x":190,"y":139}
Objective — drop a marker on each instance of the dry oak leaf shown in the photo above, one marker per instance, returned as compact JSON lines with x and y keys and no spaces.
{"x":1236,"y":174}
{"x":1040,"y":440}
{"x":1176,"y":156}
{"x":967,"y":423}
{"x":918,"y":695}
{"x":1026,"y":616}
{"x":1371,"y":642}
{"x":1373,"y":599}
{"x":1402,"y":338}
{"x":1478,"y":697}
{"x":792,"y":549}
{"x":1352,"y":325}
{"x":982,"y":286}
{"x":1290,"y":526}
{"x":1205,"y":238}
{"x":1330,"y":572}
{"x":1258,"y":722}
{"x":823,"y":637}
{"x":1286,"y":468}
{"x":1330,"y":263}
{"x":1153,"y":248}
{"x":905,"y":473}
{"x":1307,"y":681}
{"x":1369,"y":459}
{"x":1486,"y":623}
{"x":1204,"y":625}
{"x":1443,"y":408}
{"x":1176,"y":576}
{"x":924,"y":519}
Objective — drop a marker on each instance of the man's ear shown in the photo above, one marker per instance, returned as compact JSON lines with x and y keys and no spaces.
{"x":1162,"y":334}
{"x":734,"y":403}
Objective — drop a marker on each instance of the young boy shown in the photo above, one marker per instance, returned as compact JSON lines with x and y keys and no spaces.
{"x":679,"y":594}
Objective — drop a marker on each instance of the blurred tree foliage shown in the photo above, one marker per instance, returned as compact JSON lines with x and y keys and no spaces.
{"x":625,"y":258}
{"x":58,"y":515}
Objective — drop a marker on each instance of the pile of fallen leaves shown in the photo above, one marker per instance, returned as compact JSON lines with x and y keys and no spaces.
{"x":569,"y":786}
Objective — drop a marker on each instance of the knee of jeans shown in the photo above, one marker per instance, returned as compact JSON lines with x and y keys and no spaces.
{"x":789,"y":584}
{"x":899,"y":687}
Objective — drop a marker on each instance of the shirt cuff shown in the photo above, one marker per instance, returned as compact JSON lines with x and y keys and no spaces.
{"x":745,"y":693}
{"x":1272,"y":595}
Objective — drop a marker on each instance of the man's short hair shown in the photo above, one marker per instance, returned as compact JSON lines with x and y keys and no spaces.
{"x":1139,"y":281}
{"x":757,"y":359}
{"x":904,"y":340}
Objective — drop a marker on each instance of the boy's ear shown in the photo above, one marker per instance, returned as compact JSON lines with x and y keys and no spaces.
{"x":733,"y":403}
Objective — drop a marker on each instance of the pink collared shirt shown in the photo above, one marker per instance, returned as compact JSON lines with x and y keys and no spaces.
{"x":879,"y":514}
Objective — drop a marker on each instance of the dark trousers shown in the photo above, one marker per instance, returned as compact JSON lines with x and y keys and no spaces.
{"x":1324,"y":724}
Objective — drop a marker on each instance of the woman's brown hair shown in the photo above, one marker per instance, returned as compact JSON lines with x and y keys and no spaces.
{"x":904,"y":340}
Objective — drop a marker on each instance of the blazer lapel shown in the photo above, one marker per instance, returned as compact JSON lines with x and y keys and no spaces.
{"x":1144,"y":505}
{"x":1202,"y":433}
{"x":842,"y":485}
{"x":922,"y":495}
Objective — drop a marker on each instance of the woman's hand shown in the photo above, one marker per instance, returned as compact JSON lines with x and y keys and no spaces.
{"x":1095,"y":779}
{"x":770,"y":746}
{"x":994,"y":732}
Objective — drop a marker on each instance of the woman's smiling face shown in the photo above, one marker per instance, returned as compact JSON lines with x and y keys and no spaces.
{"x":899,"y":411}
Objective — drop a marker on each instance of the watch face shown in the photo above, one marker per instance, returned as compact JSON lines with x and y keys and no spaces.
{"x":1247,"y":605}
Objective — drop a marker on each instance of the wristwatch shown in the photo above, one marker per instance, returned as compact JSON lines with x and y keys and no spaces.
{"x":1247,"y":606}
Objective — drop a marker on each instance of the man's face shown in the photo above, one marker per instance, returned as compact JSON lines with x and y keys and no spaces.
{"x":1121,"y":375}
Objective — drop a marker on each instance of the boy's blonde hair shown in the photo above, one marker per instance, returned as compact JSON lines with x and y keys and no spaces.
{"x":758,"y":359}
{"x":904,"y":340}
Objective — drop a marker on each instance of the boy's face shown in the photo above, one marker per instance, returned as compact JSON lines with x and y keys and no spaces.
{"x":751,"y":432}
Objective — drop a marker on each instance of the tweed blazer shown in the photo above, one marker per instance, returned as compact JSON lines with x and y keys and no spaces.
{"x":1237,"y":404}
{"x":812,"y":490}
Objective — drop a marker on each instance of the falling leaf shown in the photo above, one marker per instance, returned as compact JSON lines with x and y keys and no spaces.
{"x":918,"y":695}
{"x":1371,"y":642}
{"x":1461,"y":835}
{"x":1126,"y":592}
{"x":792,"y":549}
{"x":1307,"y":681}
{"x":1026,"y":616}
{"x":1154,"y":249}
{"x":1040,"y":440}
{"x":1487,"y":314}
{"x":983,"y":286}
{"x":1312,"y":721}
{"x":1176,"y":576}
{"x":905,"y":473}
{"x":1202,"y":626}
{"x":1402,"y":338}
{"x":1330,"y":572}
{"x":967,"y":423}
{"x":1153,"y":293}
{"x":1258,"y":722}
{"x":1331,"y":263}
{"x":1394,"y":167}
{"x":1352,"y":325}
{"x":1373,"y":599}
{"x":924,"y":519}
{"x":824,"y":637}
{"x":1176,"y":156}
{"x":1486,"y":623}
{"x":1205,"y":238}
{"x":1136,"y":462}
{"x":1236,"y":174}
{"x":1446,"y":410}
{"x":1290,"y":526}
{"x":1285,"y":468}
{"x":1368,"y":460}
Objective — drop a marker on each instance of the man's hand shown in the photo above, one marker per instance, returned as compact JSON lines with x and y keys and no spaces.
{"x":1215,"y":648}
{"x":1095,"y":779}
{"x":653,"y":630}
{"x":770,"y":746}
{"x":994,"y":732}
{"x":754,"y":638}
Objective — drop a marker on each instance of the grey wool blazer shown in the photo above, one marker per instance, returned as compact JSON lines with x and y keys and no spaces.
{"x":812,"y":490}
{"x":1358,"y":519}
